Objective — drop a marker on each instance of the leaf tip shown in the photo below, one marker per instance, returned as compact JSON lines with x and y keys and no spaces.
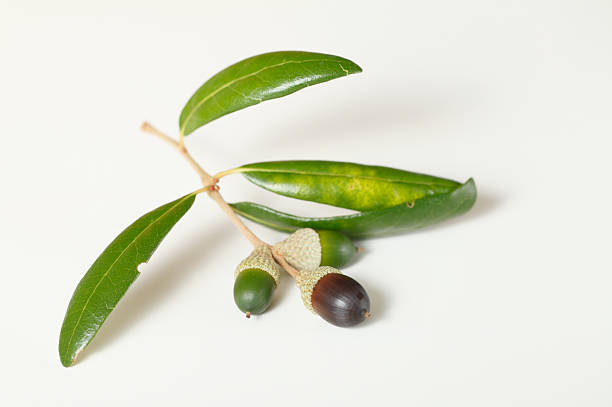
{"x":471,"y":184}
{"x":66,"y":360}
{"x":468,"y":192}
{"x":349,"y":67}
{"x":68,"y":354}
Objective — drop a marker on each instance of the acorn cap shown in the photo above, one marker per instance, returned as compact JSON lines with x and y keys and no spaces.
{"x":307,"y":280}
{"x":302,"y":249}
{"x":260,"y":258}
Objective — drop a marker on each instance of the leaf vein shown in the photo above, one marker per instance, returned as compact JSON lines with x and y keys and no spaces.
{"x":113,"y":264}
{"x":258,"y":100}
{"x":324,"y":174}
{"x":230,"y":83}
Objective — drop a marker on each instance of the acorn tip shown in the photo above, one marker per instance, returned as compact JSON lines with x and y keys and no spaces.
{"x":367,"y":314}
{"x":248,"y":314}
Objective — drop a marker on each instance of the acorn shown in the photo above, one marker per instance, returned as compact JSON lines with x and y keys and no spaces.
{"x":256,"y":277}
{"x":335,"y":297}
{"x":337,"y":250}
{"x":307,"y":249}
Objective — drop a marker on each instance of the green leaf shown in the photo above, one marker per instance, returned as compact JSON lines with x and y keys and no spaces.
{"x":383,"y":222}
{"x":112,"y":273}
{"x":347,"y":185}
{"x":259,"y":78}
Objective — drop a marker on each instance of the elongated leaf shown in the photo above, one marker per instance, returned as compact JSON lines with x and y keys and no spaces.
{"x":390,"y":221}
{"x":259,"y":78}
{"x":112,"y":273}
{"x":347,"y":185}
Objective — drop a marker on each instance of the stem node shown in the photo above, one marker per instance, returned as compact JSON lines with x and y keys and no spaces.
{"x":207,"y":181}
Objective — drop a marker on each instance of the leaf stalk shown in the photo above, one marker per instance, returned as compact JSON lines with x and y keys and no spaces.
{"x":222,"y":174}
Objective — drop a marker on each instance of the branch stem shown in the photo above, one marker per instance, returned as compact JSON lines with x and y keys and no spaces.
{"x":209,"y":182}
{"x":204,"y":176}
{"x":248,"y":233}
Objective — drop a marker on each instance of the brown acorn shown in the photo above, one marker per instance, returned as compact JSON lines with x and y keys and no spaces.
{"x":337,"y":298}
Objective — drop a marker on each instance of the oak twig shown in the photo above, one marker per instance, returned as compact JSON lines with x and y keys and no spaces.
{"x":207,"y":181}
{"x":204,"y":176}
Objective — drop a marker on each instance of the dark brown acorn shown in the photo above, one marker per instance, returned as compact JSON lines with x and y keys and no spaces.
{"x":337,"y":298}
{"x":340,"y":300}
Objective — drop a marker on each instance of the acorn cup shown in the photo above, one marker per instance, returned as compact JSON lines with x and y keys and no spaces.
{"x":335,"y":297}
{"x":307,"y":249}
{"x":256,"y":277}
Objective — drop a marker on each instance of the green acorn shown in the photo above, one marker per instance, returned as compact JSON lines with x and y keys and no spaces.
{"x":337,"y":298}
{"x":256,"y":277}
{"x":337,"y":250}
{"x":308,"y":249}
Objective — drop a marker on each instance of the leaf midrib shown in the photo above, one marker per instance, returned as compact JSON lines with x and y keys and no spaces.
{"x":230,"y":83}
{"x":325,"y":174}
{"x":115,"y":262}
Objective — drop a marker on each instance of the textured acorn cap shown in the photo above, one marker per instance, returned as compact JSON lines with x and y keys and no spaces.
{"x":307,"y":280}
{"x":302,"y":249}
{"x":260,"y":258}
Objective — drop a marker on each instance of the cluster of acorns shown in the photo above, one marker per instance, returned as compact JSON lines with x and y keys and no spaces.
{"x":317,"y":255}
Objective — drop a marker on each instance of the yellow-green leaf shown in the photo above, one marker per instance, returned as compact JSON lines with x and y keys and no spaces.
{"x":398,"y":219}
{"x":346,"y":185}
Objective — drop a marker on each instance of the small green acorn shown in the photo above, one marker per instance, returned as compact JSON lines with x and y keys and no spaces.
{"x":337,"y":250}
{"x":256,"y":277}
{"x":337,"y":298}
{"x":307,"y":249}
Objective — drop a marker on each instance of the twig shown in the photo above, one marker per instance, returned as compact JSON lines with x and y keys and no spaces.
{"x":248,"y":233}
{"x":281,"y":260}
{"x":207,"y":181}
{"x":204,"y":176}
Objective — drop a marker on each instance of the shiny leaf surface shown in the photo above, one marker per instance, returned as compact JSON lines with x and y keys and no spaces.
{"x":259,"y":78}
{"x":346,"y":185}
{"x":383,"y":222}
{"x":111,"y":275}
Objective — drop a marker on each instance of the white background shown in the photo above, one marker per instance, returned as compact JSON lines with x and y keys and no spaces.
{"x":508,"y":305}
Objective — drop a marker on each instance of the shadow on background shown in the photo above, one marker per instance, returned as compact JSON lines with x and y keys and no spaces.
{"x":484,"y":204}
{"x":287,"y":284}
{"x":149,"y":291}
{"x":383,"y":109}
{"x":378,"y":302}
{"x":376,"y":113}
